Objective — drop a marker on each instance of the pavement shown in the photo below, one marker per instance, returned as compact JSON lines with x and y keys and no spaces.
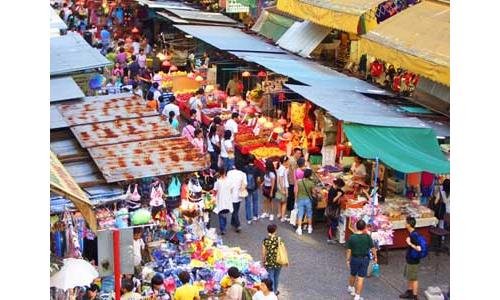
{"x":318,"y":270}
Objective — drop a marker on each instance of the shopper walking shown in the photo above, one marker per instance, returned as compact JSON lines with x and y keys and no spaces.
{"x":270,"y":254}
{"x":213,"y":147}
{"x":253,"y":182}
{"x":198,"y":140}
{"x":332,"y":210}
{"x":294,"y":158}
{"x":282,"y":187}
{"x":223,"y":200}
{"x":172,"y":120}
{"x":413,"y":254}
{"x":268,"y":190}
{"x":357,"y":257}
{"x":239,"y":192}
{"x":227,"y":150}
{"x":304,"y":202}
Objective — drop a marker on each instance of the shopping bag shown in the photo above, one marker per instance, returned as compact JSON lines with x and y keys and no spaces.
{"x":282,"y":254}
{"x":293,"y":216}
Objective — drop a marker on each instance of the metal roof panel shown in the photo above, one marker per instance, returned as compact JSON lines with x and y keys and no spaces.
{"x":64,"y":88}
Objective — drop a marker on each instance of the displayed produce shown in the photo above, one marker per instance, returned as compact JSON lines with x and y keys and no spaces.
{"x":265,"y":152}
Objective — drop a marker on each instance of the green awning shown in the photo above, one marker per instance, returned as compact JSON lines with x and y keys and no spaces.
{"x":404,"y":149}
{"x":275,"y":26}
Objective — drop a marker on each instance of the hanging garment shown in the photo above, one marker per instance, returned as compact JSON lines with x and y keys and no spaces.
{"x":135,"y":195}
{"x":298,"y":113}
{"x":156,"y":196}
{"x":413,"y":179}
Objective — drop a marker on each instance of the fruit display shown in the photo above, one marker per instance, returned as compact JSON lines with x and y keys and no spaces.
{"x":265,"y":152}
{"x":252,"y":142}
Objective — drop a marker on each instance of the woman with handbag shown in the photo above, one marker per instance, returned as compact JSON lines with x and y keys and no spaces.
{"x":224,"y":200}
{"x":213,"y":147}
{"x":303,"y":192}
{"x":332,"y":210}
{"x":273,"y":255}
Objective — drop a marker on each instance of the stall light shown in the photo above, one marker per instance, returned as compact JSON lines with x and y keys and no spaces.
{"x":349,"y":144}
{"x":199,"y":78}
{"x":161,"y":56}
{"x":262,"y":121}
{"x":173,"y":68}
{"x":190,"y":75}
{"x":188,"y":36}
{"x":246,"y":74}
{"x":166,"y":63}
{"x":241,"y":104}
{"x":287,"y":136}
{"x":209,"y":88}
{"x":135,"y":30}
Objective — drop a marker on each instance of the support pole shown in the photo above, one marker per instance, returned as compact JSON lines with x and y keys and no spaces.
{"x":116,"y":262}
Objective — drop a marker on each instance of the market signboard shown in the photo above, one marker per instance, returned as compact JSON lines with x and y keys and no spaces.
{"x":232,"y":6}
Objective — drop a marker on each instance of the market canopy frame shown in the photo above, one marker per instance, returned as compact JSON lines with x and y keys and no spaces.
{"x":63,"y":184}
{"x":425,"y":49}
{"x":407,"y":150}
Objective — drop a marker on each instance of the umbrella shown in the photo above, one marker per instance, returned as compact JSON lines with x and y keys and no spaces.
{"x":75,"y":272}
{"x":97,"y":81}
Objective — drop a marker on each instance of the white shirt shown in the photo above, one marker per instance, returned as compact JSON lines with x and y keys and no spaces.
{"x":359,"y":171}
{"x":141,"y":60}
{"x":231,"y":125}
{"x":223,"y":200}
{"x":156,"y":94}
{"x":136,"y":47}
{"x":226,"y":144}
{"x":195,"y":103}
{"x":215,"y":140}
{"x":283,"y":175}
{"x":260,"y":296}
{"x":171,"y":107}
{"x":239,"y":181}
{"x":138,"y":246}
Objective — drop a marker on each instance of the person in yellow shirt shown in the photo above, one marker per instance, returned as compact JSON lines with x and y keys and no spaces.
{"x":187,"y":291}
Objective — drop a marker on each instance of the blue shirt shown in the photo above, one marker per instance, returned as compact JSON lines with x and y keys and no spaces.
{"x":105,"y":36}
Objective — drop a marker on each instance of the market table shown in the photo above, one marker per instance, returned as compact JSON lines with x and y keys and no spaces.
{"x":400,"y":233}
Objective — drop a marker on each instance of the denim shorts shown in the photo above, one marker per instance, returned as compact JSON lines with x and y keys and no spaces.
{"x":304,"y":205}
{"x":359,"y":266}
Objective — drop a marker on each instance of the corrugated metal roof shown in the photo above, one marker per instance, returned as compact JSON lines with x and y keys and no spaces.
{"x":303,"y":37}
{"x":228,"y":38}
{"x":173,"y":18}
{"x":201,"y":16}
{"x":56,"y":119}
{"x":55,"y":21}
{"x":71,"y":53}
{"x":310,"y":73}
{"x":165,"y":4}
{"x":150,"y":158}
{"x":124,"y":130}
{"x":64,"y":88}
{"x":93,"y":111}
{"x":353,"y":107}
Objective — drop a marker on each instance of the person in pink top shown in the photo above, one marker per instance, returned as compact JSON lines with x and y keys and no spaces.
{"x":188,"y":131}
{"x":301,"y":164}
{"x":198,"y":140}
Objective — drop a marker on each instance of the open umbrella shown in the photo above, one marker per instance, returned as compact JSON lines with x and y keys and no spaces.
{"x":74,"y":272}
{"x":97,"y":81}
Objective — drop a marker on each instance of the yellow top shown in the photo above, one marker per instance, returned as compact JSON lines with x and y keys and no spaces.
{"x":187,"y":292}
{"x":416,"y":39}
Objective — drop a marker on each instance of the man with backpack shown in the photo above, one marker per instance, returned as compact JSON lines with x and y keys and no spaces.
{"x":416,"y":251}
{"x":252,"y":200}
{"x":237,"y":291}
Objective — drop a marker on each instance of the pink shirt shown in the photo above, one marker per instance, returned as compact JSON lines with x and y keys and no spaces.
{"x":299,"y":174}
{"x":197,"y":142}
{"x":188,"y":132}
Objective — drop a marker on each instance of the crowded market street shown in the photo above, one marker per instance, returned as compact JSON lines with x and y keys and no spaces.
{"x":247,"y":150}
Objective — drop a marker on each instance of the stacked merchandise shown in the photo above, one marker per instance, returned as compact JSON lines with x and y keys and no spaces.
{"x":380,"y":226}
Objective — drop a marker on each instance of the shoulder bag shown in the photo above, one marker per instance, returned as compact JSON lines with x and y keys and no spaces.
{"x":282,"y":254}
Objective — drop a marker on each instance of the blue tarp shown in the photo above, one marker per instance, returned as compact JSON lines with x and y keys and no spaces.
{"x":71,"y":53}
{"x":354,"y":107}
{"x":228,"y":38}
{"x":309,"y":72}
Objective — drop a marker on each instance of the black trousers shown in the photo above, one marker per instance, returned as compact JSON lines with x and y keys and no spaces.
{"x":290,"y":203}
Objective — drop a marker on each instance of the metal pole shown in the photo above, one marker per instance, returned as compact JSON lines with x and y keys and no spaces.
{"x":116,"y":261}
{"x":374,"y":190}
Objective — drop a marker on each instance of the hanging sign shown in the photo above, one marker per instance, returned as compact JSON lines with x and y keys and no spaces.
{"x":234,"y":7}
